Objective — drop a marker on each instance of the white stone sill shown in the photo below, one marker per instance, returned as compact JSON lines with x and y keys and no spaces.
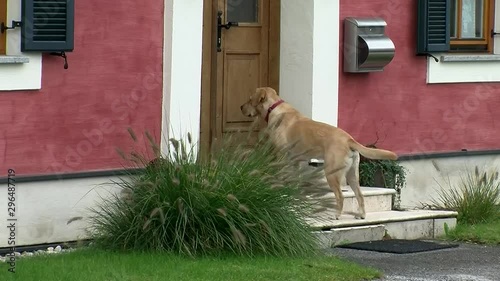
{"x":13,"y":59}
{"x":470,"y":58}
{"x":463,"y":68}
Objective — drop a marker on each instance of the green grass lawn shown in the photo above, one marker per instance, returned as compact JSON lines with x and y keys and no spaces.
{"x":484,"y":233}
{"x":95,"y":265}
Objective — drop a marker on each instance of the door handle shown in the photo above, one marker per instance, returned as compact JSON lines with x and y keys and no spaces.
{"x":220,"y":26}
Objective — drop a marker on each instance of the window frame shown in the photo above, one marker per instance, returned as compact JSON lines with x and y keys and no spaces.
{"x":3,"y":18}
{"x":488,"y":25}
{"x":32,"y":40}
{"x":434,"y":29}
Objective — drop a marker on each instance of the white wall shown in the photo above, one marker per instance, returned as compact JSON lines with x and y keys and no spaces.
{"x":296,"y":53}
{"x":182,"y":69}
{"x":44,"y":208}
{"x":326,"y":61}
{"x":427,"y":176}
{"x":309,"y":62}
{"x":19,"y":76}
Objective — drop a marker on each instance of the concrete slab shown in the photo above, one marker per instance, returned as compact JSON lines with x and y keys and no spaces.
{"x":330,"y":238}
{"x":439,"y":226}
{"x":324,"y":220}
{"x":414,"y":229}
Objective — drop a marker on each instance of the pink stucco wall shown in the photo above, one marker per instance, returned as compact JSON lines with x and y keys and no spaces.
{"x":408,"y":115}
{"x":78,"y":118}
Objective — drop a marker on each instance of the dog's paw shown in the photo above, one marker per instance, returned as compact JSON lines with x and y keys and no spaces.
{"x":360,"y":216}
{"x":334,"y":217}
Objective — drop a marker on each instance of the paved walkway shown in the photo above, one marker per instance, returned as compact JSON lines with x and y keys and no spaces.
{"x":465,"y":263}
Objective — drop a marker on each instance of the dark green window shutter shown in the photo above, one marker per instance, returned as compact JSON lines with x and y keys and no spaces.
{"x":433,"y":27}
{"x":47,"y":25}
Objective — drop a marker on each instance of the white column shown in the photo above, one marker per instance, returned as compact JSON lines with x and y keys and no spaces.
{"x":309,"y":70}
{"x":182,"y":70}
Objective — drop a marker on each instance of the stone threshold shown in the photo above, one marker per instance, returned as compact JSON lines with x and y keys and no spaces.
{"x":325,"y":221}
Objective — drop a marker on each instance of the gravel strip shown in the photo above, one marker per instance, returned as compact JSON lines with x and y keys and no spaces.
{"x":50,"y":250}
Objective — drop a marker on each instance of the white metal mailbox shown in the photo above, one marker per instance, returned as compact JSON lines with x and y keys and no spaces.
{"x":366,"y":47}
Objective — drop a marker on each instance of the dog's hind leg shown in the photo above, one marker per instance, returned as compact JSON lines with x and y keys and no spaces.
{"x":334,"y":179}
{"x":352,"y":177}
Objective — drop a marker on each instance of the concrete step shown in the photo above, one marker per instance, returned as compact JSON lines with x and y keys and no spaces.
{"x":376,"y":199}
{"x":412,"y":224}
{"x":337,"y":236}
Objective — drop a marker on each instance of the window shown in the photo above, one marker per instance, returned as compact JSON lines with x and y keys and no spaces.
{"x":45,"y":25}
{"x":455,"y":25}
{"x":470,"y":25}
{"x":3,"y":19}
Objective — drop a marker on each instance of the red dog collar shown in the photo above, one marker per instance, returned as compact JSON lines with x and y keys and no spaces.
{"x":273,"y":107}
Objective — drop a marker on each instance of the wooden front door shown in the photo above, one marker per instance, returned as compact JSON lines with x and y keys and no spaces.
{"x":245,"y":57}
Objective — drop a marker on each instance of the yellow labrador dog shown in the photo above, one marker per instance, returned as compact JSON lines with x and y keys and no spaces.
{"x":314,"y":140}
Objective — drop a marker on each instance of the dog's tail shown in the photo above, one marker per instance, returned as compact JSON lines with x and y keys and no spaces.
{"x":372,"y":153}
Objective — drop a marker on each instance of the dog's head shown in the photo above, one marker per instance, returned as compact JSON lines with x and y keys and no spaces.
{"x":259,"y":102}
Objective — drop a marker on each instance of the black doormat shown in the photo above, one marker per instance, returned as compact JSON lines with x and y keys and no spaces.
{"x":398,"y":246}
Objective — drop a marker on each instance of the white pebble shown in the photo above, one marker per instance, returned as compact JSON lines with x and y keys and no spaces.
{"x":50,"y":249}
{"x":58,"y":249}
{"x":17,"y":254}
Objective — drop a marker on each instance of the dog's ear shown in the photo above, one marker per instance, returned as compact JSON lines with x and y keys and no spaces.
{"x":259,"y":97}
{"x":262,"y":95}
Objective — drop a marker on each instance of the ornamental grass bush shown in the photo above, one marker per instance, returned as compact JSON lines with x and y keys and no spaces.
{"x":243,"y":200}
{"x":475,"y":198}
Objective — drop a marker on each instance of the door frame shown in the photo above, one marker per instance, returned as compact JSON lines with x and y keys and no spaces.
{"x":209,"y":66}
